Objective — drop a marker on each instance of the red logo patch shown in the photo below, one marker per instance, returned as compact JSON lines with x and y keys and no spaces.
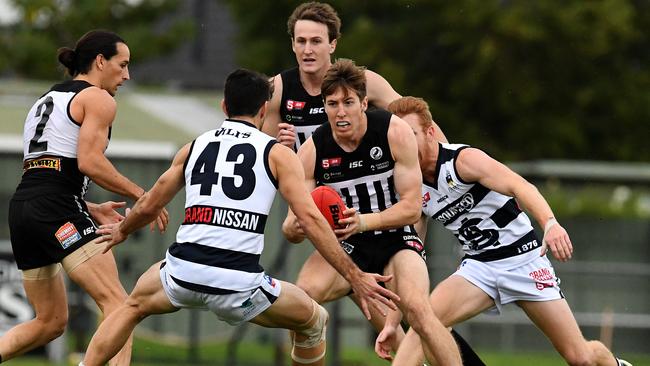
{"x":292,"y":104}
{"x":425,"y":199}
{"x":331,"y":162}
{"x":414,"y":244}
{"x":67,"y":235}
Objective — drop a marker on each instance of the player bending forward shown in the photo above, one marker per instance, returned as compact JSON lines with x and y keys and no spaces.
{"x":476,"y":197}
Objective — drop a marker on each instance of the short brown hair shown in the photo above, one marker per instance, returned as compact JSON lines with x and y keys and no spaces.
{"x":317,"y":12}
{"x":412,"y":105}
{"x":344,"y":74}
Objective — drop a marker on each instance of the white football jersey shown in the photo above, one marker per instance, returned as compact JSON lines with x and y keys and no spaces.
{"x":228,"y":194}
{"x":489,"y":225}
{"x":49,"y":127}
{"x":50,"y":140}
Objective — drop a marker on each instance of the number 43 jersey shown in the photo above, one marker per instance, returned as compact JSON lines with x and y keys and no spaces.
{"x":50,"y":144}
{"x":229,"y":190}
{"x":490,"y":226}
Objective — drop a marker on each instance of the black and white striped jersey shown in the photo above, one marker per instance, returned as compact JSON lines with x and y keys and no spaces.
{"x":489,"y":225}
{"x":228,"y":194}
{"x":364,"y":178}
{"x":50,"y":145}
{"x":306,"y":112}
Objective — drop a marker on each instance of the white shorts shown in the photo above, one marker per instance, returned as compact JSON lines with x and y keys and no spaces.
{"x":235,"y":308}
{"x":533,"y":281}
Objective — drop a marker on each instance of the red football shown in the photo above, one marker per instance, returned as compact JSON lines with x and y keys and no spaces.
{"x":330,"y":204}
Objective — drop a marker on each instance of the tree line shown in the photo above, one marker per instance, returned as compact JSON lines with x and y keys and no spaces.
{"x":522,"y":79}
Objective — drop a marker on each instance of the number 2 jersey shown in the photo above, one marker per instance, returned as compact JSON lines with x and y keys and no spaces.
{"x":50,"y":145}
{"x":490,"y":226}
{"x":229,"y":190}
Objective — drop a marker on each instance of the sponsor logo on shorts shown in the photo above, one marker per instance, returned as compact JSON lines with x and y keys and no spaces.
{"x":246,"y":303}
{"x":541,"y":277}
{"x":67,"y":235}
{"x":542,"y":285}
{"x":349,"y":248}
{"x":542,"y":274}
{"x":414,"y":244}
{"x":270,"y":280}
{"x":248,"y":306}
{"x":43,"y":163}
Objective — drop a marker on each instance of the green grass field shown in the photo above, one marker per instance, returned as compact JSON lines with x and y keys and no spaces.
{"x":149,"y":353}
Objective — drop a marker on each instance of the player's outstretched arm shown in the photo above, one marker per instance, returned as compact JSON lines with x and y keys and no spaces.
{"x":150,"y":205}
{"x":96,"y":109}
{"x":474,"y":165}
{"x":307,"y":156}
{"x":289,"y":173}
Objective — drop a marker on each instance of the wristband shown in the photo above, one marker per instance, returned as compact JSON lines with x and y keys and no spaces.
{"x":549,"y":224}
{"x":362,"y":224}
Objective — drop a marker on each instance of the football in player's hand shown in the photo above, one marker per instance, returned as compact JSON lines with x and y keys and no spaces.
{"x":330,"y":204}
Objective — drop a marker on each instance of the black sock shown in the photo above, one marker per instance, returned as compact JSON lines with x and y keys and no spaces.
{"x":470,"y":358}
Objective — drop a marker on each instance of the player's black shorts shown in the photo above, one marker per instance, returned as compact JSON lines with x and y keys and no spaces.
{"x":45,"y":229}
{"x":371,"y":252}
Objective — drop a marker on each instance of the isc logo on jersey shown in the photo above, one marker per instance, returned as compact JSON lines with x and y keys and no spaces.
{"x":317,"y":110}
{"x":292,"y":104}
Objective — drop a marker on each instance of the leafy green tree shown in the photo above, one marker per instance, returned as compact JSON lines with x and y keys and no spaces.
{"x":521,"y":79}
{"x":30,"y":44}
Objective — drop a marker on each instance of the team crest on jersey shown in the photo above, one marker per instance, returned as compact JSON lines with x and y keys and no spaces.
{"x":376,"y":153}
{"x":330,"y":163}
{"x":67,"y":235}
{"x":450,"y":181}
{"x":293,"y":104}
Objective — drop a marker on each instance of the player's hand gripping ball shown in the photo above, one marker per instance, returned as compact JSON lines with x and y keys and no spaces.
{"x":330,"y":205}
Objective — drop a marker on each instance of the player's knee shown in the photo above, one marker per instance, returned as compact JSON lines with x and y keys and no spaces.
{"x":54,"y":327}
{"x":110,"y":299}
{"x":311,"y":335}
{"x":415,"y":311}
{"x":134,"y":307}
{"x":579,"y":357}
